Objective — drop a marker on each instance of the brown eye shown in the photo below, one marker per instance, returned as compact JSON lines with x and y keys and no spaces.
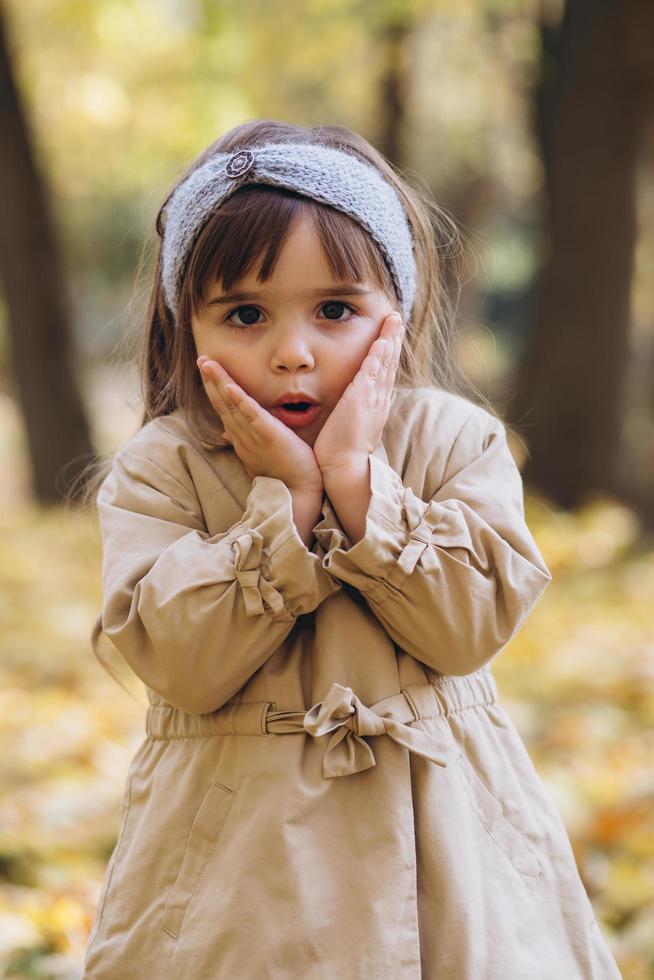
{"x":246,"y":314}
{"x":334,"y":309}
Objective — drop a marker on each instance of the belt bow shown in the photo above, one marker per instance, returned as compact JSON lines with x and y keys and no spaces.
{"x":344,"y":714}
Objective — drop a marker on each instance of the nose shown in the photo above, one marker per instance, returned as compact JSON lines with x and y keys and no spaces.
{"x":292,"y":350}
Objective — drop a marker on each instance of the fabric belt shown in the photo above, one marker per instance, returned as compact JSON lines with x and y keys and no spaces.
{"x":342,"y":716}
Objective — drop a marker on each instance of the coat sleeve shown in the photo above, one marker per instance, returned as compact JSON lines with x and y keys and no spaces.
{"x":196,"y":615}
{"x":451,"y":578}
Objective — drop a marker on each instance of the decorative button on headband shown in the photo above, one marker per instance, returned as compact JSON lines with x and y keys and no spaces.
{"x":322,"y":173}
{"x":239,"y":163}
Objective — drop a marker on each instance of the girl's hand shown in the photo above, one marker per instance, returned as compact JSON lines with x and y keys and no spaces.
{"x":265,"y":446}
{"x":354,"y":428}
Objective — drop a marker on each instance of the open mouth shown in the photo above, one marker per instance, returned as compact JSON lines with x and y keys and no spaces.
{"x":297,"y":406}
{"x":297,"y":414}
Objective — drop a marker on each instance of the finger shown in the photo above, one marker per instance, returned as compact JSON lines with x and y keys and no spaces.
{"x":371,"y":369}
{"x":397,"y":336}
{"x":218,"y":392}
{"x":221,"y":391}
{"x":388,"y":355}
{"x":393,"y":324}
{"x":216,"y":375}
{"x":244,"y":415}
{"x":214,"y":393}
{"x":384,"y":353}
{"x":397,"y":353}
{"x":389,"y":326}
{"x":392,"y":328}
{"x":246,"y":409}
{"x":378,"y":371}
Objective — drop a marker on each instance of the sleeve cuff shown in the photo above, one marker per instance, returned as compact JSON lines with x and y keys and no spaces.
{"x":328,"y":532}
{"x":276,"y":571}
{"x":399,"y":526}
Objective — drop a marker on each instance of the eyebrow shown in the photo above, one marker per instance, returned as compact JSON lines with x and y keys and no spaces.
{"x":344,"y":290}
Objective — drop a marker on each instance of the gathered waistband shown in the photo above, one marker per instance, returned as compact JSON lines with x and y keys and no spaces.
{"x":343,"y":715}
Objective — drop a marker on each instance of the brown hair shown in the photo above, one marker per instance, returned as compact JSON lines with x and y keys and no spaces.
{"x":254,"y":221}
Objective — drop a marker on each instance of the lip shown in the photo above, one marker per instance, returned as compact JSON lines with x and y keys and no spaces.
{"x":295,"y":396}
{"x":296,"y":420}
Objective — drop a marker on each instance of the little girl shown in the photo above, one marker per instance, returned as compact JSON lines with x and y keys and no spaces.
{"x":313,"y":548}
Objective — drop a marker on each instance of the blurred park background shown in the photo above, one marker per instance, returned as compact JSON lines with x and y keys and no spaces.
{"x":532,"y":123}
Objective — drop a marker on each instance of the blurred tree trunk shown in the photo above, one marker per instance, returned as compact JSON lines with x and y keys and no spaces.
{"x":393,"y":39}
{"x":594,"y":96}
{"x":37,"y":309}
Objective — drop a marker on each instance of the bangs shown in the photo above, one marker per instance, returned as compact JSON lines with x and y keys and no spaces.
{"x":253,"y":224}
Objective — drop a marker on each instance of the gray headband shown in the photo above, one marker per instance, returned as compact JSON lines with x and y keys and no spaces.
{"x":331,"y":176}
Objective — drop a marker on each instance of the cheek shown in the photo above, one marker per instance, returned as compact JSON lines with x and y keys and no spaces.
{"x":351,"y":360}
{"x":246,"y":374}
{"x":243,"y":378}
{"x":232,"y":361}
{"x":344,"y":363}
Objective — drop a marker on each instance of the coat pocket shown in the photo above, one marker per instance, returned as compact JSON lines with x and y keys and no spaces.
{"x":503,"y":834}
{"x":207,"y":825}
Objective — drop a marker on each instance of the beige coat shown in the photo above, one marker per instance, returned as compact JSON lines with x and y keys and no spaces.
{"x":328,"y":788}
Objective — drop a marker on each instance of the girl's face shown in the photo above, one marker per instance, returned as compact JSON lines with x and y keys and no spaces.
{"x":301,"y":330}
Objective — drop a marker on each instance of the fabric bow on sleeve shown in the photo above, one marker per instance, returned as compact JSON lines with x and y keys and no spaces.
{"x":248,"y":553}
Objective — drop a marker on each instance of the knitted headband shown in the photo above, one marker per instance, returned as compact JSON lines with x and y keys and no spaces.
{"x":331,"y":176}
